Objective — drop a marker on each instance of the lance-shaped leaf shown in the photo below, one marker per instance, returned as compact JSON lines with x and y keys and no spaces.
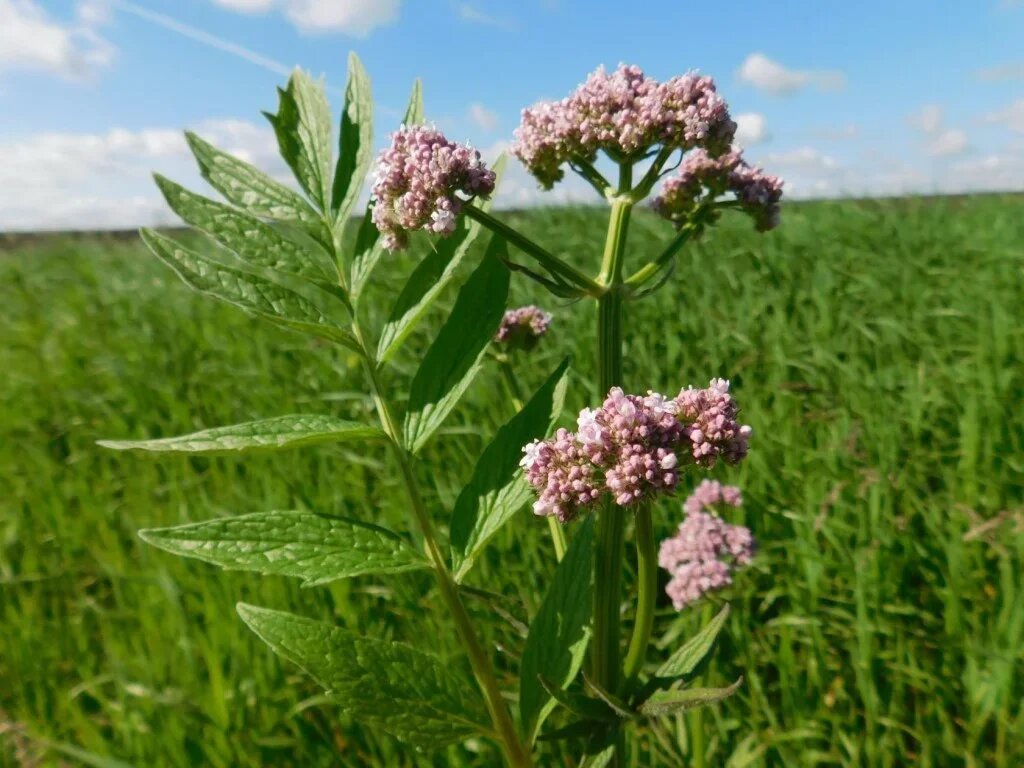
{"x":693,"y":651}
{"x":455,"y":356}
{"x":355,"y":142}
{"x":256,"y":295}
{"x":497,"y":490}
{"x":429,"y":278}
{"x":315,"y":548}
{"x":278,"y":433}
{"x":249,"y":188}
{"x":303,"y":129}
{"x":669,"y":702}
{"x":559,"y":633}
{"x":404,"y":691}
{"x":369,"y":247}
{"x":246,"y":236}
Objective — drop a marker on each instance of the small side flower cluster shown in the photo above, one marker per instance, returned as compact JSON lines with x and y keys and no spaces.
{"x":705,"y":550}
{"x":632,"y":447}
{"x":416,"y":183}
{"x":703,"y":178}
{"x":523,"y":327}
{"x":623,"y":113}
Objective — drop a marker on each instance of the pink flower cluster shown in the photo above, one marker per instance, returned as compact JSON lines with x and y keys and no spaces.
{"x":702,"y":178}
{"x":623,"y":113}
{"x":523,"y":327}
{"x":416,"y":183}
{"x":632,"y":447}
{"x":705,"y":550}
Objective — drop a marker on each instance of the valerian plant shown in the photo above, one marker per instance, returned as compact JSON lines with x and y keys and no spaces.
{"x":280,"y":254}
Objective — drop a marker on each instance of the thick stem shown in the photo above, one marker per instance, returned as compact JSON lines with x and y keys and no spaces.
{"x":695,"y":717}
{"x":611,"y":519}
{"x":515,"y":753}
{"x":647,"y":577}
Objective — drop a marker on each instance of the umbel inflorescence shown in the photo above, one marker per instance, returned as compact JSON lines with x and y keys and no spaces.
{"x":632,"y":448}
{"x":706,"y":550}
{"x":523,"y":327}
{"x":418,"y":178}
{"x":624,"y":114}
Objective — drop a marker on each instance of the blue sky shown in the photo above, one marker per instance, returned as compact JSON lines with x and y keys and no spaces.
{"x":839,"y":98}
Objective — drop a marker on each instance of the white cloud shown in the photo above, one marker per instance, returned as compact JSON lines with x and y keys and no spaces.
{"x":768,"y":75}
{"x":357,"y":18}
{"x":751,"y":128}
{"x":838,"y":133}
{"x":30,"y":39}
{"x":948,"y":142}
{"x":1013,"y":70}
{"x":471,"y":13}
{"x":483,"y":118}
{"x":928,"y":118}
{"x":103,"y":181}
{"x":1011,"y":117}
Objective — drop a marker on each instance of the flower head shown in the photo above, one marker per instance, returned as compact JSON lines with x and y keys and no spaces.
{"x":705,"y":550}
{"x":522,"y":328}
{"x":703,"y":178}
{"x":416,"y":183}
{"x":632,"y":448}
{"x":623,"y":113}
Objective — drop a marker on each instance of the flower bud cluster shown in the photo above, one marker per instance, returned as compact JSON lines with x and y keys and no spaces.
{"x":416,"y":183}
{"x":702,"y":178}
{"x":523,"y":327}
{"x":623,"y":113}
{"x":705,"y":550}
{"x":632,"y":447}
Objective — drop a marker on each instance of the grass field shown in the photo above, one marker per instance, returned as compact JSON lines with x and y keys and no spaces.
{"x":876,"y":347}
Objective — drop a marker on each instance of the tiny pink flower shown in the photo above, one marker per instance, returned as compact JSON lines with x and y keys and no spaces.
{"x":522,"y":328}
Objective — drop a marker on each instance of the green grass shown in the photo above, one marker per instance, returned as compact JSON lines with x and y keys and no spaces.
{"x":876,"y":347}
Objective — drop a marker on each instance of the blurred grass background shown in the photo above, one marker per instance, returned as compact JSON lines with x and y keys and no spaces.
{"x":876,"y":347}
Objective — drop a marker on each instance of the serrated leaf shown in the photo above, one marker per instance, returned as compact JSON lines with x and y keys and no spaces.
{"x":250,"y":188}
{"x":254,"y":294}
{"x":559,"y":633}
{"x":278,"y":433}
{"x":693,"y":651}
{"x":455,"y":356}
{"x":409,"y":693}
{"x":497,"y":490}
{"x":247,"y":237}
{"x":303,"y":129}
{"x":315,"y":548}
{"x":428,"y":279}
{"x":355,"y":151}
{"x":664,"y":703}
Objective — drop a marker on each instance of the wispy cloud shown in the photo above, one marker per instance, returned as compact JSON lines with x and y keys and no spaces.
{"x":938,"y":140}
{"x":474,"y":15}
{"x":482,"y":117}
{"x":1013,"y":70}
{"x":769,"y":75}
{"x":356,"y":18}
{"x":30,"y":39}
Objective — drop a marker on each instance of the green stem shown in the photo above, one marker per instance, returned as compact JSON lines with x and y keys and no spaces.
{"x":695,"y":717}
{"x":647,"y":577}
{"x":545,"y":258}
{"x":611,"y":519}
{"x":515,"y":752}
{"x":555,"y":527}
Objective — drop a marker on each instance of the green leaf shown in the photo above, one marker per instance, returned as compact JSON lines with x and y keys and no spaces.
{"x":303,"y":128}
{"x":355,"y":153}
{"x":414,"y":111}
{"x":559,"y":633}
{"x":256,"y":295}
{"x":409,"y":693}
{"x":497,"y":490}
{"x":251,"y":189}
{"x":669,"y":702}
{"x":246,"y":236}
{"x":455,"y":356}
{"x":274,"y":434}
{"x":692,"y":653}
{"x":428,"y":279}
{"x":315,"y":548}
